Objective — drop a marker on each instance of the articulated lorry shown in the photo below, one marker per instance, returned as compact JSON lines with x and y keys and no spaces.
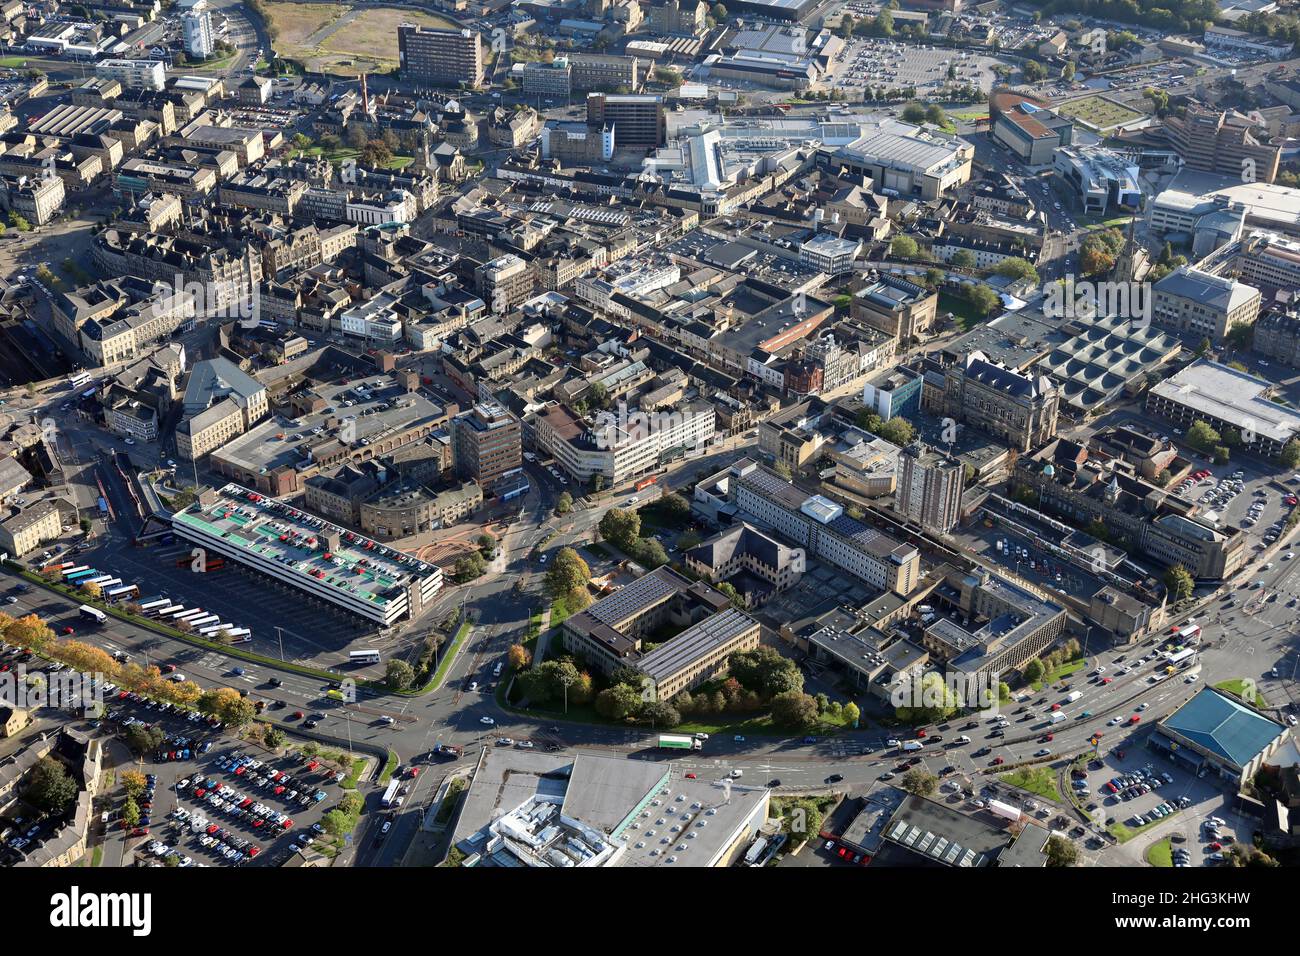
{"x":679,"y":742}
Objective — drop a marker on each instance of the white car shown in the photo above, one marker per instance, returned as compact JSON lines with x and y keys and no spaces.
{"x":736,"y":773}
{"x":487,"y":721}
{"x":1143,"y":706}
{"x":387,"y":719}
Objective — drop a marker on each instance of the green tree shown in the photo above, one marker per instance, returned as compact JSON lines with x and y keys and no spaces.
{"x":1204,"y":348}
{"x":720,"y":13}
{"x":1034,"y":670}
{"x":1016,"y":268}
{"x":914,"y":113}
{"x":1202,"y":437}
{"x":399,"y":675}
{"x":1290,"y":456}
{"x":903,"y":247}
{"x":794,"y":709}
{"x":1067,"y":72}
{"x":227,"y":706}
{"x":729,"y":589}
{"x":661,"y":714}
{"x":782,"y":470}
{"x":920,"y":782}
{"x":49,"y":786}
{"x":567,"y":573}
{"x":1179,"y":583}
{"x":620,"y":526}
{"x":564,"y":504}
{"x":618,"y":702}
{"x":897,"y":430}
{"x":337,"y":824}
{"x":985,"y":300}
{"x":1061,"y":852}
{"x":846,"y":26}
{"x":935,"y":115}
{"x":852,"y":714}
{"x":963,"y":259}
{"x":1034,"y":71}
{"x":274,"y":738}
{"x":131,"y":813}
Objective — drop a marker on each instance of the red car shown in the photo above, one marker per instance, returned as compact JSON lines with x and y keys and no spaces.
{"x":278,"y":790}
{"x":199,"y":792}
{"x":68,"y":630}
{"x":140,"y":831}
{"x":998,"y":761}
{"x":1216,"y":846}
{"x":415,"y":772}
{"x":298,"y":715}
{"x":1135,"y":718}
{"x":1046,"y":738}
{"x":1107,"y":680}
{"x":920,"y":733}
{"x":690,"y":776}
{"x":1056,"y":707}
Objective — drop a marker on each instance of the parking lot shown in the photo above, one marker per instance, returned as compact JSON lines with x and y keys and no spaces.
{"x":1255,"y":503}
{"x":878,"y":62}
{"x":209,"y":802}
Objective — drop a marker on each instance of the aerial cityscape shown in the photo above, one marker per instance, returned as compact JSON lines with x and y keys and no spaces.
{"x":479,"y":434}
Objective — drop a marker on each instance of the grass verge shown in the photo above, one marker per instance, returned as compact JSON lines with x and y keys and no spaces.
{"x":1040,"y":780}
{"x":1161,"y":853}
{"x":389,"y":766}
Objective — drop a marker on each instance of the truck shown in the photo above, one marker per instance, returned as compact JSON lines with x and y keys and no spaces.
{"x":391,"y":793}
{"x":1058,"y":716}
{"x":679,"y":742}
{"x":1071,"y":697}
{"x":910,"y":745}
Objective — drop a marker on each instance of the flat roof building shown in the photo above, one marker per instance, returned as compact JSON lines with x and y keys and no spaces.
{"x":331,"y":563}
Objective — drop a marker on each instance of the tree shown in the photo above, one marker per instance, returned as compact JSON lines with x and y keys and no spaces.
{"x":964,"y":259}
{"x":1016,"y":268}
{"x":399,"y":675}
{"x":852,"y":714}
{"x":782,"y":470}
{"x":564,"y":504}
{"x":897,"y":430}
{"x":846,"y":26}
{"x":732,"y":595}
{"x":1067,"y":72}
{"x":920,"y":782}
{"x":914,"y":113}
{"x":618,"y":702}
{"x":661,"y":714}
{"x":133,"y":782}
{"x":1061,"y":852}
{"x":650,"y":554}
{"x":273,"y":737}
{"x":1034,"y":670}
{"x":337,"y":824}
{"x":375,"y":154}
{"x":1290,"y":456}
{"x":1247,"y":854}
{"x":720,"y":13}
{"x":1204,"y":348}
{"x":568,"y":573}
{"x":1034,"y":71}
{"x":621,"y":527}
{"x":49,"y":787}
{"x":934,"y":114}
{"x":903,"y":247}
{"x":29,"y":631}
{"x":227,"y":706}
{"x":1179,"y":583}
{"x":356,"y":135}
{"x":794,"y":709}
{"x":1202,"y":437}
{"x":764,"y":670}
{"x":131,"y":812}
{"x":518,"y":657}
{"x":143,"y":739}
{"x":487,"y":546}
{"x":985,"y":300}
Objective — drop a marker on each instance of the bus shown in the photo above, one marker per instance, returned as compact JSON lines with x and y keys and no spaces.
{"x":79,"y":380}
{"x":92,"y":614}
{"x":68,"y":572}
{"x":98,"y":579}
{"x":1189,"y":633}
{"x":241,"y":635}
{"x":109,"y":584}
{"x":213,"y":627}
{"x":157,"y":604}
{"x":168,"y":611}
{"x":205,"y":620}
{"x":1180,"y":658}
{"x":191,"y":615}
{"x":126,"y":592}
{"x":363,"y":657}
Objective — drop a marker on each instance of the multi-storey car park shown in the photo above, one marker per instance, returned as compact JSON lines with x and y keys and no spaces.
{"x":346,"y":569}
